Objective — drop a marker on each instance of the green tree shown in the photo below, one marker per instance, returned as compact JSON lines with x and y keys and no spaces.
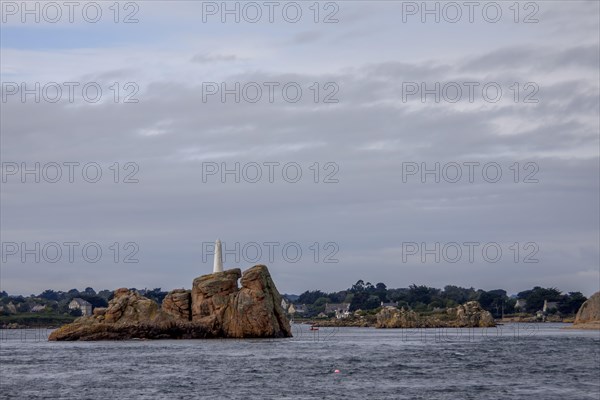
{"x":536,"y":296}
{"x":571,"y":303}
{"x":381,"y":292}
{"x":310,"y":296}
{"x":422,"y":294}
{"x":364,"y":301}
{"x":50,"y":295}
{"x":105,"y":294}
{"x":458,"y":295}
{"x":156,"y":294}
{"x":338,"y":297}
{"x":95,"y":301}
{"x":321,"y":301}
{"x":359,"y":286}
{"x":348,"y":298}
{"x":399,"y":295}
{"x":493,"y":301}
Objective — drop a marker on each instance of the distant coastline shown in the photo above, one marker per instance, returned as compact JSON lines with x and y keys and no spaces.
{"x":356,"y":306}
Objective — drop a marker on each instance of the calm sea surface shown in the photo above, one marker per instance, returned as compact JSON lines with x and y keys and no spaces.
{"x":534,"y":362}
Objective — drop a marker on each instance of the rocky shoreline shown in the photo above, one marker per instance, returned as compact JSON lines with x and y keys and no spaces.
{"x":214,"y":308}
{"x":468,"y":315}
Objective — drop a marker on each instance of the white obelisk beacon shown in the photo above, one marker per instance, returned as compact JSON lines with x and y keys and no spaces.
{"x":218,"y":263}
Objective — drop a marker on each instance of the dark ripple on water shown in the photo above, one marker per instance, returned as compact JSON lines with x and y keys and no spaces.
{"x":543,"y":363}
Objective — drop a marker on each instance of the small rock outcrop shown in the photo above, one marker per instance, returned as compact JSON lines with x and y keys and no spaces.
{"x":468,"y":315}
{"x":214,"y":308}
{"x":398,"y":318}
{"x":588,"y":316}
{"x":471,"y":314}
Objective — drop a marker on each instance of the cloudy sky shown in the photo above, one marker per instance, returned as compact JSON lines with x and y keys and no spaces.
{"x":361,"y":133}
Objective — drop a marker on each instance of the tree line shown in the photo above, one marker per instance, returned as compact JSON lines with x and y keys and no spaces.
{"x":58,"y":301}
{"x":421,"y":298}
{"x":361,"y":296}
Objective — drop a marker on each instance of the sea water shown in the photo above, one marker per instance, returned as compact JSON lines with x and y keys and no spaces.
{"x":517,"y":361}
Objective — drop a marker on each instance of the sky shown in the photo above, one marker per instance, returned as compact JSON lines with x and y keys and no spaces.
{"x":364,"y":140}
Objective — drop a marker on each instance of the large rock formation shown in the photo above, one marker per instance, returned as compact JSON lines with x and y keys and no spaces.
{"x":252,"y":311}
{"x":468,"y":315}
{"x":128,"y":315}
{"x":588,"y":316}
{"x":214,"y":308}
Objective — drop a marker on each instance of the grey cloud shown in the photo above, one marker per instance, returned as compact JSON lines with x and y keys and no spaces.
{"x":305,"y":37}
{"x":369,"y":213}
{"x":114,"y":75}
{"x":535,"y":58}
{"x":213,"y":58}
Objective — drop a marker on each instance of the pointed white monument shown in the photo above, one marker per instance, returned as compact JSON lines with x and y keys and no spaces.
{"x":218,"y":263}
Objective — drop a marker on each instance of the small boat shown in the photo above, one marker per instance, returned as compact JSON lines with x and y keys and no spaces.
{"x":314,"y":328}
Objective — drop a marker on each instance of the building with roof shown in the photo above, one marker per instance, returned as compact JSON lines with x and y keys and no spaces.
{"x":549,"y":305}
{"x":392,"y":305}
{"x":521,"y":304}
{"x":341,"y":310}
{"x":80,"y":304}
{"x":37,"y":308}
{"x":299,"y":309}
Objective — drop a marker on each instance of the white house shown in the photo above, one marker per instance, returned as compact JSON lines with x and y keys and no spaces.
{"x":520,"y":304}
{"x":298,"y":309}
{"x":549,"y":305}
{"x":80,"y":304}
{"x":37,"y":308}
{"x":341,"y":310}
